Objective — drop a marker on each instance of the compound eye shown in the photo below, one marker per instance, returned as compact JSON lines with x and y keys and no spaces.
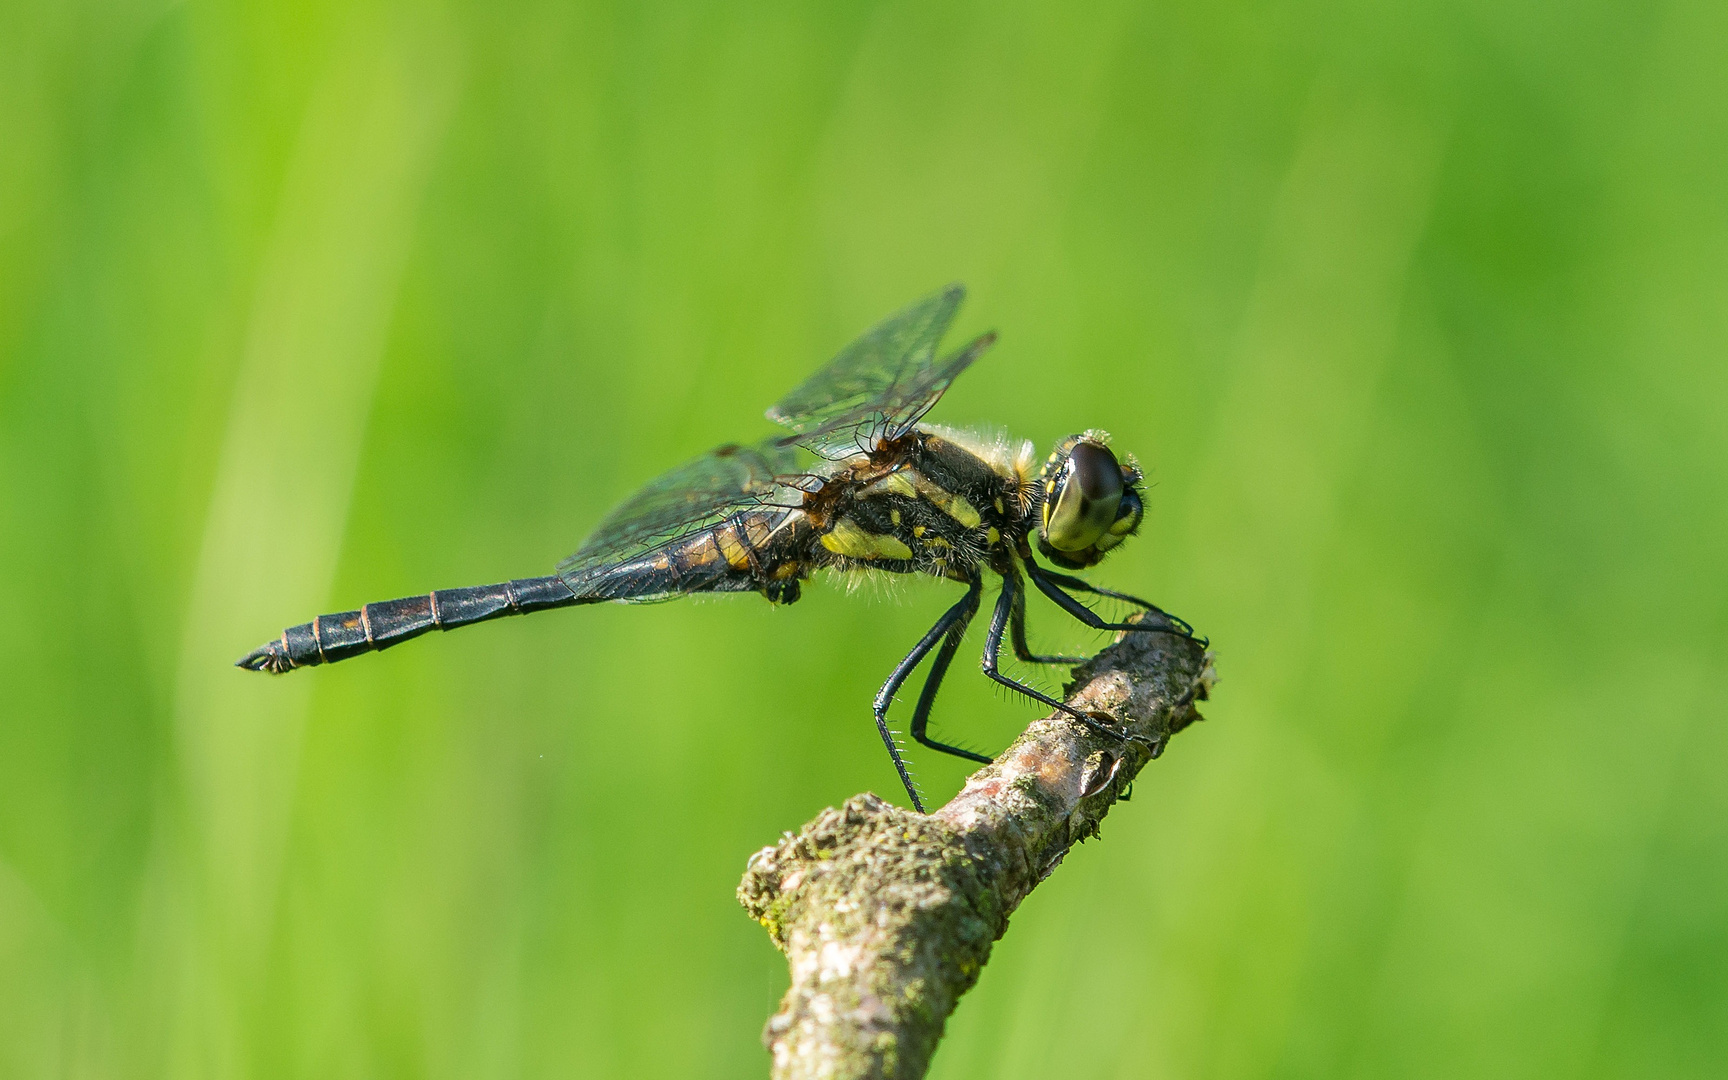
{"x":1085,"y":507}
{"x":1128,"y":516}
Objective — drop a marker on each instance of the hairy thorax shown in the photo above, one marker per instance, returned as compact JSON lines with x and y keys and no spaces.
{"x":932,"y":502}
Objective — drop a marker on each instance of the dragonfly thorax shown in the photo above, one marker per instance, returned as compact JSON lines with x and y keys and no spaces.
{"x":930,"y":503}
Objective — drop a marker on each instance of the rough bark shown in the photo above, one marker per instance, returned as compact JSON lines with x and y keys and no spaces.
{"x":887,"y":916}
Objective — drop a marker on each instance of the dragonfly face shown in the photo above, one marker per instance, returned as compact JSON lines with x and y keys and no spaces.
{"x":858,"y":484}
{"x":1091,"y":503}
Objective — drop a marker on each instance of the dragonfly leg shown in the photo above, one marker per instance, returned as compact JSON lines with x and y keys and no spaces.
{"x":938,"y":670}
{"x":1050,"y":583}
{"x":1082,"y":585}
{"x":959,"y":614}
{"x":1017,"y":634}
{"x":993,"y":650}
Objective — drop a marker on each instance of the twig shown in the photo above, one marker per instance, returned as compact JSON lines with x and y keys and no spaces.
{"x":887,"y":916}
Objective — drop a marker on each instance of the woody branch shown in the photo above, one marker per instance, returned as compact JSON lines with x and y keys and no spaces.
{"x":886,"y":916}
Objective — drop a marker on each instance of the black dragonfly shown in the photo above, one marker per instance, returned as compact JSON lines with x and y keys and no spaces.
{"x":859,"y":484}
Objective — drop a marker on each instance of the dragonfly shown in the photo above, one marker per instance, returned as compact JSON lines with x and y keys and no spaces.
{"x":857,"y":482}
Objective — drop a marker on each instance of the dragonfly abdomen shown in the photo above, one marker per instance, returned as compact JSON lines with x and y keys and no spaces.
{"x":330,"y":638}
{"x":750,"y":552}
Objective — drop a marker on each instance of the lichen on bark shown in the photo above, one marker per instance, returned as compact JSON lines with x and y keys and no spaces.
{"x":887,"y":916}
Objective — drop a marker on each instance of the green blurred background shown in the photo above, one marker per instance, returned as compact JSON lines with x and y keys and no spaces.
{"x":1417,"y":315}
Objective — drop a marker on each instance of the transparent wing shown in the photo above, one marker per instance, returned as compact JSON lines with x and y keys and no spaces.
{"x":881,"y":384}
{"x":696,"y":495}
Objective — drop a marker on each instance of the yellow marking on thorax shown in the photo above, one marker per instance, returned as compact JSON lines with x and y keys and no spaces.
{"x":895,"y":483}
{"x":913,"y":484}
{"x":847,"y":539}
{"x":946,"y":501}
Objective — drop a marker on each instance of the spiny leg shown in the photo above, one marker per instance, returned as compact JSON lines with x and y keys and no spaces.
{"x":1086,"y":586}
{"x":933,"y":682}
{"x":1082,"y":585}
{"x":1046,"y":583}
{"x":958,"y":614}
{"x":1017,"y":633}
{"x":992,"y":653}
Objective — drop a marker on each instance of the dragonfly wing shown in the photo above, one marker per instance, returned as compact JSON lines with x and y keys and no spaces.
{"x":881,"y":384}
{"x":697,"y":494}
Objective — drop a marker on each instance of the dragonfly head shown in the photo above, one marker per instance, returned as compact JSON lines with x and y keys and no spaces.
{"x":1090,"y":501}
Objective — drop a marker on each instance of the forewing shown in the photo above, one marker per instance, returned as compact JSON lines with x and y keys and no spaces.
{"x":881,"y":384}
{"x":693,"y":496}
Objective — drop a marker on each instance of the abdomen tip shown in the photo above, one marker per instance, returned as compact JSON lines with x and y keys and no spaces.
{"x":269,"y":658}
